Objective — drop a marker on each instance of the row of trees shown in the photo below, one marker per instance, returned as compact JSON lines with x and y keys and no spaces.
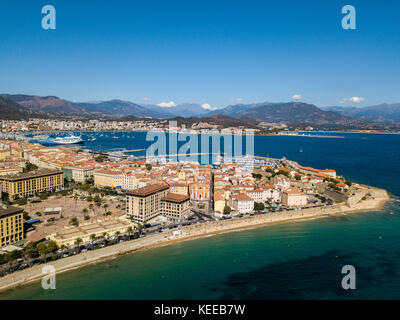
{"x":258,"y":206}
{"x":41,"y":250}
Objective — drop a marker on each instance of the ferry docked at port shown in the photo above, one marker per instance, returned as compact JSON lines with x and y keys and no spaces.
{"x":61,"y":141}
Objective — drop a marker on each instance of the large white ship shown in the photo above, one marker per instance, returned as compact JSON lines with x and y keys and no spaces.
{"x":61,"y":141}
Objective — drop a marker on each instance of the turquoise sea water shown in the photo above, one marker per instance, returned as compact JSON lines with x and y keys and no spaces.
{"x":299,"y":260}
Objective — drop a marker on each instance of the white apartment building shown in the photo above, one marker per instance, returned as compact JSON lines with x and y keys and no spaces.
{"x":256,"y":195}
{"x":242,"y":203}
{"x":271,"y":193}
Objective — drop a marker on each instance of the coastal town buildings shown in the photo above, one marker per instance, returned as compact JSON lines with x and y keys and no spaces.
{"x":11,"y":225}
{"x":175,"y":206}
{"x":308,"y":170}
{"x":144,"y":204}
{"x":25,"y":184}
{"x":9,"y":169}
{"x":242,"y":203}
{"x":293,"y":197}
{"x":107,"y":178}
{"x":79,"y":174}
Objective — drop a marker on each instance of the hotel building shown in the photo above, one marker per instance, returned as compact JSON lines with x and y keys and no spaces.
{"x":242,"y":203}
{"x":11,"y":225}
{"x":293,"y":197}
{"x":175,"y":206}
{"x":29,"y":183}
{"x":144,"y":203}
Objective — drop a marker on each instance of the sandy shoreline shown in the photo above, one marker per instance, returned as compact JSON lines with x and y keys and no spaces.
{"x":34,"y":273}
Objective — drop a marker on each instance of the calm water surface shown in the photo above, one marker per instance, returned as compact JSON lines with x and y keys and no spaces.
{"x":299,"y":260}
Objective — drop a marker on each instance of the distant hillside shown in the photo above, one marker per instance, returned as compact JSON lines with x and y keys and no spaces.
{"x":182,"y":110}
{"x":294,"y":113}
{"x":10,"y":110}
{"x":48,"y":104}
{"x":123,"y":108}
{"x":382,"y":113}
{"x":290,"y":112}
{"x":52,"y":104}
{"x":218,"y":119}
{"x":237,"y":109}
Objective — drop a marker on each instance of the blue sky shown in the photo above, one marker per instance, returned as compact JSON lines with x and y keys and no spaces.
{"x":217,"y":52}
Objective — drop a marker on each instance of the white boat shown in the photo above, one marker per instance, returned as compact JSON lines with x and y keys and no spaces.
{"x":61,"y":141}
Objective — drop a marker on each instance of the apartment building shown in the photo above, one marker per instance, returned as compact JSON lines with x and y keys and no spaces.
{"x":256,"y":195}
{"x":29,"y":183}
{"x":6,"y":170}
{"x":107,"y":178}
{"x":293,"y":197}
{"x":242,"y":203}
{"x":179,"y":188}
{"x":78,"y":174}
{"x":175,"y":206}
{"x":144,"y":203}
{"x":11,"y":225}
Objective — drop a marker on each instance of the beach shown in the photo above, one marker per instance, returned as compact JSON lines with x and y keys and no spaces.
{"x":34,"y":273}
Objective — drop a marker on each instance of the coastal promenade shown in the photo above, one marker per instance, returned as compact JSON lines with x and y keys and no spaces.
{"x":34,"y":273}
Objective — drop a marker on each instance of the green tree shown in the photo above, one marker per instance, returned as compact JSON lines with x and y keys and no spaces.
{"x":129,"y":230}
{"x":257,"y":176}
{"x":22,"y":201}
{"x":100,"y":158}
{"x":92,"y":238}
{"x":29,"y":167}
{"x":258,"y":206}
{"x":74,"y":222}
{"x":42,"y":248}
{"x":52,"y":246}
{"x":105,"y":206}
{"x":227,"y":209}
{"x":26,"y":216}
{"x":78,"y":241}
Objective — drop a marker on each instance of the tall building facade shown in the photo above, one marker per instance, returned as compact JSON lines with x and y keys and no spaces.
{"x":144,"y":203}
{"x":11,"y":225}
{"x":25,"y":184}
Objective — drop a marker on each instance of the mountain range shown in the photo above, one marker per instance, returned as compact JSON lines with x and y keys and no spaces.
{"x":292,"y":112}
{"x":382,"y":113}
{"x":11,"y":110}
{"x":25,"y":106}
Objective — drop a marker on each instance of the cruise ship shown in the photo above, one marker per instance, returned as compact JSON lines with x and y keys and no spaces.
{"x":61,"y":141}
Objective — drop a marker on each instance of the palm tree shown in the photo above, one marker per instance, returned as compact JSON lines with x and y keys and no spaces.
{"x":129,"y":230}
{"x":105,"y":206}
{"x":84,"y":211}
{"x":98,"y":204}
{"x":91,"y":207}
{"x":78,"y":241}
{"x":92,"y":238}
